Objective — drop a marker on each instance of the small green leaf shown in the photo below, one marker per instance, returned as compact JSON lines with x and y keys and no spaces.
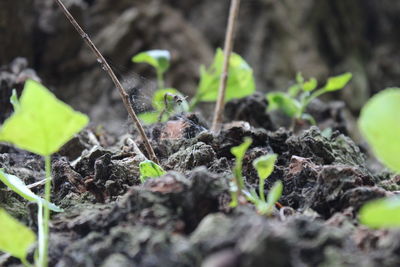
{"x":278,"y":100}
{"x":310,"y":85}
{"x":265,"y":165}
{"x":381,"y":213}
{"x":337,"y":82}
{"x":14,"y":100}
{"x":159,"y":59}
{"x":240,"y":150}
{"x":275,"y":193}
{"x":19,"y":187}
{"x":43,"y":123}
{"x":149,"y":169}
{"x":15,"y":238}
{"x":149,"y":117}
{"x":240,"y":79}
{"x":379,"y":123}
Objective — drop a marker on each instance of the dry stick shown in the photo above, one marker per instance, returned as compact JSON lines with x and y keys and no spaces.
{"x":228,"y":46}
{"x":105,"y":66}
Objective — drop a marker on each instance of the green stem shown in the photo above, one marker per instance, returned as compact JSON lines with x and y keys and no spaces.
{"x":46,"y":211}
{"x":160,"y":80}
{"x":261,"y":189}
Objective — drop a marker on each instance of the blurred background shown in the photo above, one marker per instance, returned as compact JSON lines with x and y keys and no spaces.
{"x":278,"y":38}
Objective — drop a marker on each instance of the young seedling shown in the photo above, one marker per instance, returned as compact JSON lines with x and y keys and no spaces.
{"x":265,"y":166}
{"x":379,"y":123}
{"x":240,"y":81}
{"x":105,"y":66}
{"x":237,"y":184}
{"x":15,"y":238}
{"x":228,"y":47}
{"x":159,"y":59}
{"x":294,"y":103}
{"x":166,"y":102}
{"x":41,"y":125}
{"x":149,"y":169}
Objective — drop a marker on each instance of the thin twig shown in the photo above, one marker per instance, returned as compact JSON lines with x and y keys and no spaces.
{"x":105,"y":66}
{"x":228,"y":46}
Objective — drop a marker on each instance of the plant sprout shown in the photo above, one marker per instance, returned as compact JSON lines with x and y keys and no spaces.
{"x":159,"y":59}
{"x":264,"y":166}
{"x":237,"y":185}
{"x":41,"y":125}
{"x":294,"y":103}
{"x":240,"y":81}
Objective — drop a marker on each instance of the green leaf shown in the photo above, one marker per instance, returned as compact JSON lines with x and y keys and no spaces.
{"x":275,"y":193}
{"x":278,"y":100}
{"x":149,"y":169}
{"x":240,"y":150}
{"x":337,"y":82}
{"x":310,"y":85}
{"x":265,"y":165}
{"x":379,"y":123}
{"x":14,"y":100}
{"x":240,"y":80}
{"x":381,"y":213}
{"x":149,"y":117}
{"x":19,"y":187}
{"x":15,"y":238}
{"x":159,"y":59}
{"x":43,"y":123}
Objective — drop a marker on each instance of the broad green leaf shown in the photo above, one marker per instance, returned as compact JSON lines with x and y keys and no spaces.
{"x":310,"y":85}
{"x":149,"y":117}
{"x":149,"y":169}
{"x":14,"y":100}
{"x":275,"y":193}
{"x":159,"y":59}
{"x":43,"y":123}
{"x":379,"y":123}
{"x":19,"y":187}
{"x":15,"y":238}
{"x":381,"y":213}
{"x":240,"y":150}
{"x":265,"y":165}
{"x":337,"y":82}
{"x":159,"y":98}
{"x":240,"y":79}
{"x":278,"y":100}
